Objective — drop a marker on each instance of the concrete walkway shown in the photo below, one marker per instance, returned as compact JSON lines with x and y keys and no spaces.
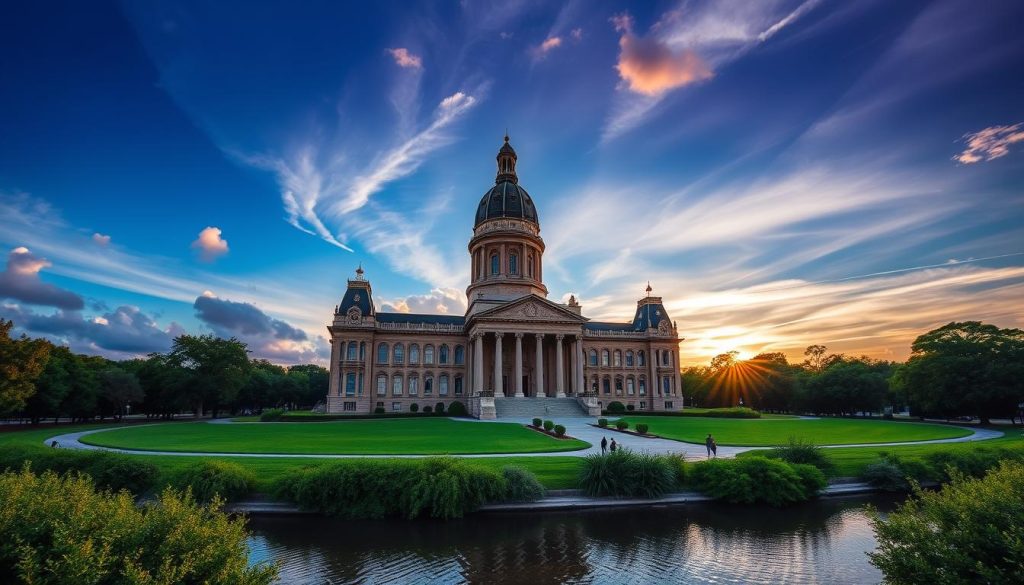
{"x":579,"y":427}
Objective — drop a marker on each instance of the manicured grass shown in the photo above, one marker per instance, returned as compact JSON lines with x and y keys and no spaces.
{"x":764,"y":432}
{"x":555,"y":472}
{"x":357,"y":437}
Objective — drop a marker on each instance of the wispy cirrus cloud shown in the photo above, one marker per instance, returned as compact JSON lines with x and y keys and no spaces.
{"x":990,"y":143}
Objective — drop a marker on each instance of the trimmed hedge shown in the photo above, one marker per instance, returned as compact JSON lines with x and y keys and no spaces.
{"x":621,"y":425}
{"x":732,"y":412}
{"x":272,"y":414}
{"x":109,"y":470}
{"x":414,"y":407}
{"x":538,"y":423}
{"x":211,"y":478}
{"x":752,"y":480}
{"x":602,"y":422}
{"x":615,"y":407}
{"x":457,"y":409}
{"x":560,"y":430}
{"x":378,"y":413}
{"x":438,"y":487}
{"x":642,"y":428}
{"x":549,"y":425}
{"x":623,"y":473}
{"x":521,"y":485}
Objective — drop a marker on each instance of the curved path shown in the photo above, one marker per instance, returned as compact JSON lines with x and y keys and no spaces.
{"x":581,"y":428}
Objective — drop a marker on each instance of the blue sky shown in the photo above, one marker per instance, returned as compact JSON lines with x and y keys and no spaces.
{"x":783,"y":173}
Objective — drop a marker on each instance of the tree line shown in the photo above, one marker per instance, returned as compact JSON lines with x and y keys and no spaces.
{"x":958,"y":370}
{"x":200,"y":374}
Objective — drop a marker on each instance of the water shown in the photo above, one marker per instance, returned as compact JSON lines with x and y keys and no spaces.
{"x":818,"y":542}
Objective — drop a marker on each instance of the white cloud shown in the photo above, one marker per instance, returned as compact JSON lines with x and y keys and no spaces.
{"x":990,"y":143}
{"x":210,"y":244}
{"x":102,"y":240}
{"x":445,"y":301}
{"x":403,"y":58}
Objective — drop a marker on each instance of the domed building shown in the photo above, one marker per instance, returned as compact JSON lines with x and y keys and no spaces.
{"x":515,"y":353}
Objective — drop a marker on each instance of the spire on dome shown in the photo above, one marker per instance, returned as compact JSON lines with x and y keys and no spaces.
{"x":360,"y":272}
{"x":649,"y":289}
{"x":506,"y":163}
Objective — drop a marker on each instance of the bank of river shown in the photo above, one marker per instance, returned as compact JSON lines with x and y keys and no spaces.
{"x":824,"y":541}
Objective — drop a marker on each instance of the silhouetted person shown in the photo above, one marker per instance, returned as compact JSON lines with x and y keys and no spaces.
{"x":710,"y":444}
{"x":54,"y":444}
{"x":604,"y":445}
{"x":613,"y":446}
{"x":714,"y":448}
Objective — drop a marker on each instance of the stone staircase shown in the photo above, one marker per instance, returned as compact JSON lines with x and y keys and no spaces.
{"x":544,"y":407}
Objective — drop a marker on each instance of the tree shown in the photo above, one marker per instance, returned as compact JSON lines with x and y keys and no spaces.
{"x":217,"y":368}
{"x":318,"y":383}
{"x":774,"y":382}
{"x":118,"y":388}
{"x":21,"y":362}
{"x":815,"y":354}
{"x":52,"y":386}
{"x":163,"y":386}
{"x":970,"y":532}
{"x":965,"y":368}
{"x":82,"y":401}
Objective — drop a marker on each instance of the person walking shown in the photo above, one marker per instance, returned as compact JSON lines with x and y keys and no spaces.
{"x":710,"y":444}
{"x":714,"y":448}
{"x":604,"y":445}
{"x":613,"y":446}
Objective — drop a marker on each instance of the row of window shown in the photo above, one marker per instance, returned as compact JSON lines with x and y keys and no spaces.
{"x":401,"y":384}
{"x":663,"y":357}
{"x":356,"y":350}
{"x":631,"y":386}
{"x":513,"y":264}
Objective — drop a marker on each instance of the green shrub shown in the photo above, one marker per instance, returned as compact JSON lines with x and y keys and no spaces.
{"x":621,"y":425}
{"x":521,"y":485}
{"x":731,"y":412}
{"x":751,"y":480}
{"x":549,"y":425}
{"x":804,"y":452}
{"x":378,"y":410}
{"x":615,"y":407}
{"x":538,"y":423}
{"x":974,"y":463}
{"x":642,"y":428}
{"x":623,"y":473}
{"x":602,"y":422}
{"x":414,"y":407}
{"x":60,"y":529}
{"x":109,"y":470}
{"x":457,"y":409}
{"x":895,"y":474}
{"x":439,"y":408}
{"x":969,"y":532}
{"x":560,"y":430}
{"x":630,"y":407}
{"x":272,"y":414}
{"x":439,"y":487}
{"x":427,"y":409}
{"x":211,"y":478}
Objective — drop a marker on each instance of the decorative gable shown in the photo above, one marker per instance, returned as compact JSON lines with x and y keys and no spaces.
{"x":531,"y":308}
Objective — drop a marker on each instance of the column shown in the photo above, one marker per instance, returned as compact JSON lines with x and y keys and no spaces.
{"x":335,"y":384}
{"x":539,"y":367}
{"x":581,"y":383}
{"x":478,"y":364}
{"x":518,"y":385}
{"x":573,"y":381}
{"x":559,"y":372}
{"x":654,"y":386}
{"x":499,"y":391}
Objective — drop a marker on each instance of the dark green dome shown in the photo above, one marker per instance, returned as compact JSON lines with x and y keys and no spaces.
{"x":506,"y":200}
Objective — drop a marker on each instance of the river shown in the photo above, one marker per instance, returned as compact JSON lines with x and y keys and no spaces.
{"x":819,"y":542}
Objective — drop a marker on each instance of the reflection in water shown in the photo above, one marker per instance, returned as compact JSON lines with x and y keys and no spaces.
{"x":819,"y":542}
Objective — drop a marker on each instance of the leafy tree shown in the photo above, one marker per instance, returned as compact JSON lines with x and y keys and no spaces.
{"x":965,"y":368}
{"x":22,"y":360}
{"x":82,"y":401}
{"x":217,"y":369}
{"x":970,"y":532}
{"x":774,"y":382}
{"x":163,"y":385}
{"x":318,"y":382}
{"x":118,"y":388}
{"x":52,"y":386}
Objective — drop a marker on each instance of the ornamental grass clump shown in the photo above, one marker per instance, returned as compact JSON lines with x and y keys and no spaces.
{"x":60,"y":529}
{"x":892,"y":473}
{"x":623,"y":473}
{"x":211,"y":479}
{"x":521,"y":485}
{"x":800,"y":451}
{"x":751,"y":480}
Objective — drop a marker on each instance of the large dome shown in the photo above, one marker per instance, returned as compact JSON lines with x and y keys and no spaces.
{"x":506,"y":199}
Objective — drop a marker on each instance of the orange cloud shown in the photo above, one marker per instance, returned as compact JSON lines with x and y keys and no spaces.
{"x":549,"y":44}
{"x":991,"y":143}
{"x":650,"y":67}
{"x":210,"y":245}
{"x":405,"y":59}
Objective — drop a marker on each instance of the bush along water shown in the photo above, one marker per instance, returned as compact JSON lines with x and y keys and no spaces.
{"x":801,"y":451}
{"x":211,"y":478}
{"x":751,"y":480}
{"x":108,"y":470}
{"x":899,"y":474}
{"x":624,"y":473}
{"x":437,"y":487}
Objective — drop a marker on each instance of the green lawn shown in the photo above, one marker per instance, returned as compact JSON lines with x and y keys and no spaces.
{"x":357,"y":437}
{"x":556,"y":472}
{"x":764,"y":432}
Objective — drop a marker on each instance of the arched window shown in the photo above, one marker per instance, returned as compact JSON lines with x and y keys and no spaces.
{"x":414,"y":386}
{"x":428,"y":354}
{"x":629,"y":359}
{"x":618,"y":358}
{"x":630,"y":386}
{"x":442,"y":385}
{"x":593,"y":359}
{"x":350,"y":384}
{"x":641,"y":358}
{"x":529,"y":266}
{"x":382,"y":385}
{"x":642,"y":384}
{"x":618,"y":386}
{"x":604,"y":357}
{"x":353,"y":350}
{"x":606,"y":385}
{"x":513,"y":263}
{"x":399,"y":354}
{"x":382,"y":353}
{"x":442,"y":355}
{"x":362,"y":350}
{"x":414,"y":353}
{"x":495,"y":263}
{"x":460,"y":355}
{"x":396,"y":385}
{"x":428,"y":385}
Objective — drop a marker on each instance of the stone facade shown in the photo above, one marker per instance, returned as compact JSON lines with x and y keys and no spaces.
{"x":512,"y":342}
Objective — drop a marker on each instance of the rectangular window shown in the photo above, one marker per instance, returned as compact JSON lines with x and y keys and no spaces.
{"x":643,"y":387}
{"x":359,"y":388}
{"x":350,"y":406}
{"x":607,"y":385}
{"x":668,"y":404}
{"x":414,"y":386}
{"x":382,"y":386}
{"x":442,"y":389}
{"x":350,"y":384}
{"x":643,"y":405}
{"x":396,"y":386}
{"x":428,"y":386}
{"x":630,"y":387}
{"x":618,"y":387}
{"x":458,"y":386}
{"x":396,"y":406}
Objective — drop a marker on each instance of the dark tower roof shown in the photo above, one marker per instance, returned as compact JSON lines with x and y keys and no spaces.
{"x":506,"y":198}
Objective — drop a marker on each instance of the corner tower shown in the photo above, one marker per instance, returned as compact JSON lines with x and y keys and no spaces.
{"x":506,"y":249}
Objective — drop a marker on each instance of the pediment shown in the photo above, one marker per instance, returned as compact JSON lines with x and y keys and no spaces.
{"x":531,"y":308}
